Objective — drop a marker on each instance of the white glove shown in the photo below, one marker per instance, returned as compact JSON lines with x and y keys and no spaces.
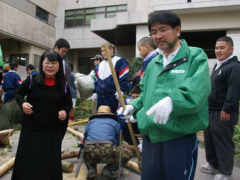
{"x":94,"y":97}
{"x":161,"y":110}
{"x":133,"y":120}
{"x":128,"y":111}
{"x":140,"y":147}
{"x":116,"y":94}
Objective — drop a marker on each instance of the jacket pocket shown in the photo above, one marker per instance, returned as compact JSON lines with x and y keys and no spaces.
{"x":142,"y":121}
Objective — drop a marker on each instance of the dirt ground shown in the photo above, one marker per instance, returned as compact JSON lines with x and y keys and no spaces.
{"x":70,"y":144}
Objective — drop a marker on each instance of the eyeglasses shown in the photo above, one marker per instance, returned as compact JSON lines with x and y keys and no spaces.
{"x":51,"y":63}
{"x":161,"y":32}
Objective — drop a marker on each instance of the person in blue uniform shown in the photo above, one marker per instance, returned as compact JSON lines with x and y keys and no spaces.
{"x":10,"y":82}
{"x":104,"y":88}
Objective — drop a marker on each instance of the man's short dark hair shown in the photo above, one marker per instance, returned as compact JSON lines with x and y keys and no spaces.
{"x":226,"y":39}
{"x":30,"y":66}
{"x":136,"y":89}
{"x":5,"y":70}
{"x":146,"y":40}
{"x":13,"y":65}
{"x":62,"y":43}
{"x":164,"y":17}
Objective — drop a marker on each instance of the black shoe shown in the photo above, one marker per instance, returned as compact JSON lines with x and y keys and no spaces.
{"x":111,"y":175}
{"x":92,"y":173}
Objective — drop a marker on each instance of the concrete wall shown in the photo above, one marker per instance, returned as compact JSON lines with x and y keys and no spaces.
{"x":21,"y":26}
{"x":83,"y":37}
{"x":128,"y":52}
{"x":141,"y":31}
{"x":73,"y":4}
{"x":210,"y":21}
{"x":29,"y":7}
{"x":11,"y":47}
{"x":195,"y":5}
{"x":22,"y":5}
{"x":235,"y":35}
{"x":48,"y":5}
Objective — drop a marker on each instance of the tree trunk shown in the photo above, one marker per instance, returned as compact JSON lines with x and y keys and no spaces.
{"x":67,"y":166}
{"x":69,"y":155}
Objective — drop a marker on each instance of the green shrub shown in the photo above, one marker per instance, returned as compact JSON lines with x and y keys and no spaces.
{"x":134,"y":66}
{"x":84,"y":110}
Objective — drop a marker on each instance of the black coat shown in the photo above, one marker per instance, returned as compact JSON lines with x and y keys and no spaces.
{"x":225,"y":82}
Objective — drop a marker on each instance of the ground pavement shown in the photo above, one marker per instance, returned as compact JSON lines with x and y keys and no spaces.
{"x":70,"y":143}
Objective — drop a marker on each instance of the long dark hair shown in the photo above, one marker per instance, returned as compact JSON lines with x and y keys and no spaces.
{"x":59,"y":78}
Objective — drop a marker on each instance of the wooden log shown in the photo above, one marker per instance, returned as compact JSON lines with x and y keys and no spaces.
{"x":79,"y":122}
{"x":67,"y":166}
{"x":6,"y":166}
{"x":133,"y":166}
{"x":69,"y":155}
{"x":76,"y":133}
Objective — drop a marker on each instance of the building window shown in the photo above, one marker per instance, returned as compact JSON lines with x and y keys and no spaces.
{"x":36,"y":60}
{"x":42,"y":14}
{"x":83,"y":17}
{"x":20,"y":59}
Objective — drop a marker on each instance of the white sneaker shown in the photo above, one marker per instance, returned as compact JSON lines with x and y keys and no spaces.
{"x":222,"y":177}
{"x":209,"y":169}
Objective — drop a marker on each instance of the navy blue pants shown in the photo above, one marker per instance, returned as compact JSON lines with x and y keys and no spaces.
{"x":174,"y":159}
{"x":219,"y":144}
{"x":9,"y":95}
{"x":110,"y":101}
{"x":126,"y":133}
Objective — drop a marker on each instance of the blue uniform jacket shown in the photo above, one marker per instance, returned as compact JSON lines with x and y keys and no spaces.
{"x":147,"y":60}
{"x":11,"y":81}
{"x":103,"y":129}
{"x":104,"y":84}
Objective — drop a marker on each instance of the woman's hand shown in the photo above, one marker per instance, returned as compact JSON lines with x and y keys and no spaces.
{"x":27,"y":108}
{"x":62,"y":115}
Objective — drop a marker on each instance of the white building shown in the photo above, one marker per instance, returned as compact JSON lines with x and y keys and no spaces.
{"x":86,"y":24}
{"x":27,"y":29}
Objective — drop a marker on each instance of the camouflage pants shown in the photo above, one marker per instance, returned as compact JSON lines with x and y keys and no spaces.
{"x":106,"y":153}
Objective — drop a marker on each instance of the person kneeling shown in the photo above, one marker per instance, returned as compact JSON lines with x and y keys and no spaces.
{"x":102,"y":135}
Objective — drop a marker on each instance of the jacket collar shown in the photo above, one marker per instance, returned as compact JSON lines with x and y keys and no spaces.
{"x":234,"y":59}
{"x":182,"y":53}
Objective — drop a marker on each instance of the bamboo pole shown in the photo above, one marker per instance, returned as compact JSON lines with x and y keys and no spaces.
{"x":122,"y":103}
{"x":79,"y":122}
{"x":6,"y":166}
{"x":134,"y":166}
{"x":76,"y":133}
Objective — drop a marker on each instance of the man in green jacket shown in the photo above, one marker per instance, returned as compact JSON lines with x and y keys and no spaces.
{"x":173,"y":104}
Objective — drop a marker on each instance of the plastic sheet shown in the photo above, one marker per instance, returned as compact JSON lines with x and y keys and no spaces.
{"x":84,"y":85}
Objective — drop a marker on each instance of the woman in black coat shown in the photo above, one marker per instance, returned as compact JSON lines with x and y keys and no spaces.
{"x":47,"y":106}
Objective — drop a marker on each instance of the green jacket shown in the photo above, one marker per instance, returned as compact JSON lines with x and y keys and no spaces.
{"x":187,"y":81}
